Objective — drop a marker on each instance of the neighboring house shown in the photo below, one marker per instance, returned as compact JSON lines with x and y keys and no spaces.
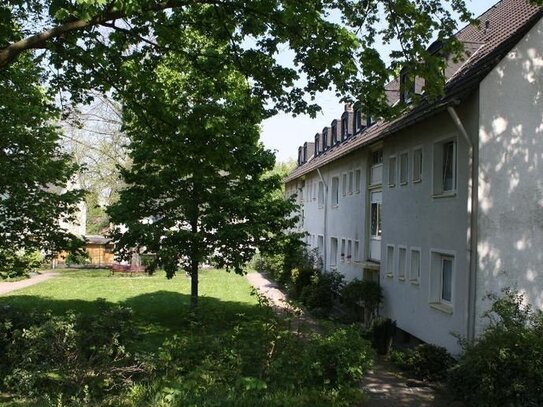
{"x":444,"y":204}
{"x":100,"y":250}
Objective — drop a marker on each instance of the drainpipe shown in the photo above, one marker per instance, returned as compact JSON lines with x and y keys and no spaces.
{"x":325,"y":233}
{"x":473,"y":208}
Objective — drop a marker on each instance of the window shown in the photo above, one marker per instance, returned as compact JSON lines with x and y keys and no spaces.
{"x":441,"y":280}
{"x":407,"y":86}
{"x":342,"y":250}
{"x":376,"y":169}
{"x":414,"y":270}
{"x":446,"y":279}
{"x":320,"y":247}
{"x":402,"y":262}
{"x":335,"y":191}
{"x":349,"y":250}
{"x":344,"y":184}
{"x":445,"y":156}
{"x":357,"y":121}
{"x":392,"y":171}
{"x":417,"y":165}
{"x":390,"y":261}
{"x":317,"y":144}
{"x":357,"y":175}
{"x":333,"y":251}
{"x":404,"y":165}
{"x":351,"y":182}
{"x":377,"y":157}
{"x":321,"y":194}
{"x":344,"y":127}
{"x":314,"y":191}
{"x":375,"y":214}
{"x":356,"y":254}
{"x":334,"y":133}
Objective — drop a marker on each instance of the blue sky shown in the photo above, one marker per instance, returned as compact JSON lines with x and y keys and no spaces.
{"x":284,"y":133}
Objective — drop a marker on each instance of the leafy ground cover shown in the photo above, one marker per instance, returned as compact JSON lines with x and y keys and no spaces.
{"x":140,"y":345}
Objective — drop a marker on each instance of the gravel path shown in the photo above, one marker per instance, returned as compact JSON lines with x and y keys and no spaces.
{"x":7,"y":287}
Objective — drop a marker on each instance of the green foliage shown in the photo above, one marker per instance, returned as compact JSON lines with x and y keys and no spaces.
{"x":35,"y":173}
{"x":219,"y":200}
{"x":425,"y":362}
{"x":504,"y":366}
{"x":382,"y":332}
{"x":18,"y":264}
{"x":72,"y":354}
{"x":75,"y":258}
{"x":323,"y":289}
{"x":360,"y":295}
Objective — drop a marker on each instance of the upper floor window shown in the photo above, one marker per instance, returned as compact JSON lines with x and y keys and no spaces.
{"x":321,"y":194}
{"x":317,"y":144}
{"x":357,"y":121}
{"x":404,"y":166}
{"x":335,"y":191}
{"x":344,"y":184}
{"x":445,"y":156}
{"x":417,"y":165}
{"x":407,"y":86}
{"x":334,"y":133}
{"x":325,"y":141}
{"x":376,"y":169}
{"x":344,"y":126}
{"x":392,"y":171}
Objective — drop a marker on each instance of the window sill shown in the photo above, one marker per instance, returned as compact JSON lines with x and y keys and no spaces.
{"x":415,"y":282}
{"x":375,"y":186}
{"x":417,"y":181}
{"x":403,"y":183}
{"x":401,"y":278}
{"x":335,"y":206}
{"x":390,"y":275}
{"x":451,"y":194}
{"x":391,"y":185}
{"x":445,"y":308}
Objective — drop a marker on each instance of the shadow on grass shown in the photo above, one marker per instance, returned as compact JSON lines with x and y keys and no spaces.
{"x":158,"y":315}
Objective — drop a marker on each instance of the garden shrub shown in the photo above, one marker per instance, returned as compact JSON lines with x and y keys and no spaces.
{"x":322,"y":290}
{"x":425,"y":361}
{"x":504,"y":365}
{"x":18,"y":264}
{"x":359,"y":296}
{"x":72,"y":354}
{"x":382,"y":332}
{"x":77,"y":258}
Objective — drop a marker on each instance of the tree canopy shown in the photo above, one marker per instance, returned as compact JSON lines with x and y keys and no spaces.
{"x":198,"y":189}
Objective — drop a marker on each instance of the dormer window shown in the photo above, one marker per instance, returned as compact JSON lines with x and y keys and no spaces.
{"x":370,"y":120}
{"x":357,"y":121}
{"x":334,"y":133}
{"x":300,"y":159}
{"x":344,"y":127}
{"x":325,"y":140}
{"x":317,"y":144}
{"x":407,"y":86}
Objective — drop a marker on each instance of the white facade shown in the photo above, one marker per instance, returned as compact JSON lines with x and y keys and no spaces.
{"x":510,"y":221}
{"x":460,"y":203}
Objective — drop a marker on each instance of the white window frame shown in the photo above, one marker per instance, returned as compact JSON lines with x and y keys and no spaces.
{"x":390,"y":260}
{"x":335,"y":192}
{"x":403,"y":170}
{"x":356,"y":249}
{"x":417,"y":175}
{"x":436,"y":280}
{"x":357,"y":180}
{"x":349,"y":256}
{"x":342,"y":251}
{"x":402,"y":267}
{"x":333,"y":251}
{"x":351,"y":182}
{"x":439,"y":190}
{"x":344,"y":183}
{"x":392,"y":164}
{"x":321,"y":194}
{"x":414,"y":275}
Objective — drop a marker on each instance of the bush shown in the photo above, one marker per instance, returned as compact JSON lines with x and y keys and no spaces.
{"x":425,"y":362}
{"x":504,"y":366}
{"x":322,"y":290}
{"x":73,"y":354}
{"x":359,"y":296}
{"x":18,"y":264}
{"x":382,"y":331}
{"x":78,"y":258}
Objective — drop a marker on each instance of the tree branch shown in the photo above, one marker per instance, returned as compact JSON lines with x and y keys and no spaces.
{"x":10,"y":53}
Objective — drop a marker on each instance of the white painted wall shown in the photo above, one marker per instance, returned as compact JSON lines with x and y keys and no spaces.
{"x":511,"y":174}
{"x":413,"y":218}
{"x":345,"y":220}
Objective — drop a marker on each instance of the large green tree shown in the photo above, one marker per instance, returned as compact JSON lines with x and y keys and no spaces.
{"x":198,"y":188}
{"x":333,"y":42}
{"x":35,"y":175}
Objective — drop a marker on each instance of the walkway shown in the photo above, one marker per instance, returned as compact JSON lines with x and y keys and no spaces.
{"x":7,"y":287}
{"x":384,"y":386}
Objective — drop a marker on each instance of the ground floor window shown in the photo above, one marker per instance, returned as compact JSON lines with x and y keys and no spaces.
{"x":442,"y":279}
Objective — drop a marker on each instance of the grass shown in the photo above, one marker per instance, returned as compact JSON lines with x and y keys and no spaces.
{"x":161,"y":306}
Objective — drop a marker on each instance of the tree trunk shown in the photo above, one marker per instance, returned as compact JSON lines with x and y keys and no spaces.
{"x":194,"y":284}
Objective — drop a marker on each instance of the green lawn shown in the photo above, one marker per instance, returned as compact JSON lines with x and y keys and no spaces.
{"x":161,"y":306}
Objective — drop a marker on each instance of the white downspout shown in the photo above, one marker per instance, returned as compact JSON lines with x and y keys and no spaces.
{"x":325,"y":233}
{"x":473,"y":209}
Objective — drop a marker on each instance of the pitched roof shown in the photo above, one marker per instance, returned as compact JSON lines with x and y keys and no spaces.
{"x":499,"y":29}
